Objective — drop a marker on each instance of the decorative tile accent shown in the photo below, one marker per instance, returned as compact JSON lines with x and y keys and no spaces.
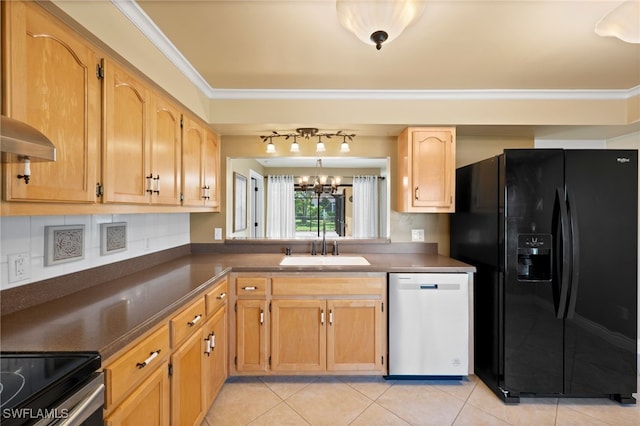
{"x":113,"y":237}
{"x":63,"y":244}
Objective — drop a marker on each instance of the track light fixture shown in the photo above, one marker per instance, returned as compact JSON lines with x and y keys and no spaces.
{"x":308,"y":133}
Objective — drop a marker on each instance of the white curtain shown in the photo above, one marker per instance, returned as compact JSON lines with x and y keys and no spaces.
{"x":365,"y":207}
{"x":280,"y":207}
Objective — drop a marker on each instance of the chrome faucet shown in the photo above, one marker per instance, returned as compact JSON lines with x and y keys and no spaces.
{"x":324,"y":241}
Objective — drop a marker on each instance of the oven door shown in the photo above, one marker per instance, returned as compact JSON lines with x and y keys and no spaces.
{"x":83,"y":407}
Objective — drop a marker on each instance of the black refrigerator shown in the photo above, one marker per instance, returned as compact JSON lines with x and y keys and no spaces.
{"x":553,"y":235}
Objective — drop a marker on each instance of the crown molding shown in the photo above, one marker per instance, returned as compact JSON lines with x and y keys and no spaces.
{"x":133,"y":12}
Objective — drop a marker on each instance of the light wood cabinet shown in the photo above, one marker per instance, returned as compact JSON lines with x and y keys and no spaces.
{"x":50,"y":82}
{"x":355,"y":335}
{"x":251,"y":335}
{"x":147,"y":405}
{"x":165,"y":169}
{"x":172,"y":374}
{"x":343,"y":332}
{"x":187,"y":390}
{"x":214,"y":334}
{"x":141,"y":147}
{"x":200,"y":165}
{"x":126,"y":142}
{"x":133,"y":366}
{"x":426,"y":170}
{"x":137,"y":382}
{"x":118,"y":137}
{"x":310,"y":324}
{"x":298,"y":335}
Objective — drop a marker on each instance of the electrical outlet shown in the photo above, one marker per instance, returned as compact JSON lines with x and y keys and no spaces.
{"x":417,"y":235}
{"x":19,"y":267}
{"x":217,"y":233}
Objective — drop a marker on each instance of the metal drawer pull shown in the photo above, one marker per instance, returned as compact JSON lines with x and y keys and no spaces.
{"x":212,"y":340}
{"x":148,"y":360}
{"x":416,"y":193}
{"x":330,"y":317}
{"x":322,"y":317}
{"x":222,"y":296}
{"x":261,"y":317}
{"x":250,"y":288}
{"x":207,"y":349}
{"x":194,"y":320}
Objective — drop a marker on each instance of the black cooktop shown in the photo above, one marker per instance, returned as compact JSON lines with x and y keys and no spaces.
{"x":36,"y":381}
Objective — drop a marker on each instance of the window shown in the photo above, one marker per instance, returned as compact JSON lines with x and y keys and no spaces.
{"x":315,"y":213}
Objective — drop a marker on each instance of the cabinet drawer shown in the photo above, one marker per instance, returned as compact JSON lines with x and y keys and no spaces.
{"x":321,"y":286}
{"x":217,"y":297}
{"x":188,"y":320}
{"x":135,"y":365}
{"x":253,"y":286}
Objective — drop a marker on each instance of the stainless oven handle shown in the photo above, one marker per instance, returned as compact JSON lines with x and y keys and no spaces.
{"x":85,"y":408}
{"x":82,"y":404}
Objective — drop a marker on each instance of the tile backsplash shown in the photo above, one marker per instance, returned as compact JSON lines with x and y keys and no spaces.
{"x":25,"y":236}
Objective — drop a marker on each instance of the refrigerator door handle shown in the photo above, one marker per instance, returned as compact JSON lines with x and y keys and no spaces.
{"x":563,"y":254}
{"x":575,"y":256}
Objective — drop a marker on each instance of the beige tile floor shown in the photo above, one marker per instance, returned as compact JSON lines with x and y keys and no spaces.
{"x":374,"y":401}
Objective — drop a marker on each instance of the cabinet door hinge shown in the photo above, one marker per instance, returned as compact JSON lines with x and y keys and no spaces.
{"x":170,"y":369}
{"x":382,"y":307}
{"x":235,"y":307}
{"x":382,"y":359}
{"x":235,"y":361}
{"x":100,"y":71}
{"x":269,"y":360}
{"x":99,"y":190}
{"x":269,"y":307}
{"x":181,"y":122}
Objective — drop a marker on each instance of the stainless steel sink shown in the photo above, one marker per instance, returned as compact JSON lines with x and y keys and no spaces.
{"x":324,"y":260}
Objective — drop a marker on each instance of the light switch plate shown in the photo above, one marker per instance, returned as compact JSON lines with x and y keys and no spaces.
{"x":217,"y":233}
{"x":417,"y":235}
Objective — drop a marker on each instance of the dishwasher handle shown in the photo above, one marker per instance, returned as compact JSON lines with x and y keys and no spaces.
{"x":428,"y":286}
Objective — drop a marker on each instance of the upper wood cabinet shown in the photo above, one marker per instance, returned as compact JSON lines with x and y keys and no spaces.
{"x":426,"y":170}
{"x":50,"y":82}
{"x":200,"y":165}
{"x":126,"y":139}
{"x":166,"y":151}
{"x":141,"y":147}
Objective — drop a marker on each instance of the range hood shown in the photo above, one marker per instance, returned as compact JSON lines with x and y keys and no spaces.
{"x":19,"y":141}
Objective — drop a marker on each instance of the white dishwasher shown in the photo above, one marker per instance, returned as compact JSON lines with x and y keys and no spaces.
{"x":428,"y":325}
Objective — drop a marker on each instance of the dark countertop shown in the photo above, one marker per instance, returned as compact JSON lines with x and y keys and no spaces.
{"x":108,"y":316}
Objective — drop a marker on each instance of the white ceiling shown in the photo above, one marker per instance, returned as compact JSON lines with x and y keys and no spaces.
{"x":472,"y":44}
{"x":500,"y":45}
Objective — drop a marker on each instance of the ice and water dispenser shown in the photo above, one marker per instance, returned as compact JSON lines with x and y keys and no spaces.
{"x":534,"y":257}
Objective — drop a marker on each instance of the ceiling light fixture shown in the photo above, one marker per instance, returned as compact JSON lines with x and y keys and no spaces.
{"x":318,"y":183}
{"x":307,"y":133}
{"x":378,"y":21}
{"x":622,"y":22}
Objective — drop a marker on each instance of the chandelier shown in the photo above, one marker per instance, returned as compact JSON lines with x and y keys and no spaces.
{"x":378,"y":21}
{"x":307,"y":133}
{"x":318,"y":183}
{"x":622,"y":22}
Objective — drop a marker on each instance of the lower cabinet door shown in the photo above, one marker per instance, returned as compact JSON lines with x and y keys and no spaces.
{"x":251,"y":335}
{"x":147,"y":405}
{"x":354,"y":335}
{"x":187,"y":395}
{"x":216,"y":371}
{"x":298,"y":336}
